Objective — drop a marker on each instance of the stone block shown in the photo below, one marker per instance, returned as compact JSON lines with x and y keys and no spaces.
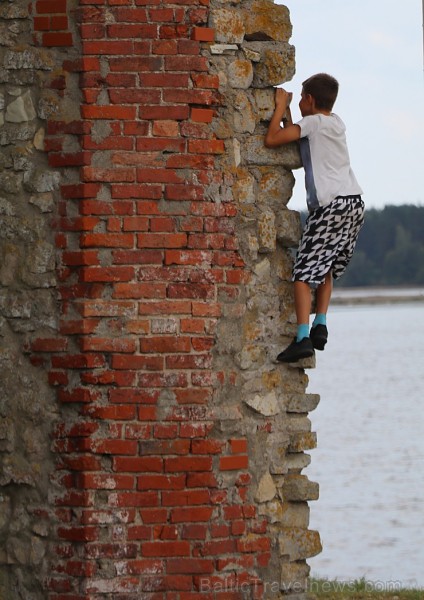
{"x":228,"y":24}
{"x":262,"y":270}
{"x":13,"y":11}
{"x":41,"y":180}
{"x":38,"y":140}
{"x":264,"y":20}
{"x":294,"y":576}
{"x":267,"y":234}
{"x":295,"y":514}
{"x":266,"y":489}
{"x":223,"y":48}
{"x":276,"y":448}
{"x":18,"y":551}
{"x":277,"y":63}
{"x":15,"y":469}
{"x":45,"y":201}
{"x":298,"y":543}
{"x":29,"y":58}
{"x":251,"y":356}
{"x":244,"y":115}
{"x":244,"y":187}
{"x":298,"y":488}
{"x":37,"y":550}
{"x":49,"y":106}
{"x":240,"y":74}
{"x":222,"y":129}
{"x":267,"y":405}
{"x":235,"y":147}
{"x":264,"y":101}
{"x":41,"y":258}
{"x":298,"y":424}
{"x":289,"y":228}
{"x":12,"y":133}
{"x":10,"y":257}
{"x":286,"y":514}
{"x":5,"y":510}
{"x":252,"y":55}
{"x":304,"y":363}
{"x":271,"y":510}
{"x":255,"y":153}
{"x":21,"y":109}
{"x":252,"y":246}
{"x":10,"y":183}
{"x":302,"y":403}
{"x":297,"y":461}
{"x":7,"y":208}
{"x":305,"y":440}
{"x":275,"y":185}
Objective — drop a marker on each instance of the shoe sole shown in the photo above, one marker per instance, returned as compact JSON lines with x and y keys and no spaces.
{"x":319,"y":336}
{"x":319,"y":343}
{"x":295,"y":358}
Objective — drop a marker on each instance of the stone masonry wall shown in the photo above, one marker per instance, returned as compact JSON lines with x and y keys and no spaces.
{"x":32,"y":85}
{"x":150,"y":446}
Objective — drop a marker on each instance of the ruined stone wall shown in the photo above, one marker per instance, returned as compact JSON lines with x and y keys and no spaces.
{"x":31,"y":91}
{"x":150,"y":446}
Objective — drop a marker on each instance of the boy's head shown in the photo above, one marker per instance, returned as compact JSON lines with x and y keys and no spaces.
{"x":323,"y":88}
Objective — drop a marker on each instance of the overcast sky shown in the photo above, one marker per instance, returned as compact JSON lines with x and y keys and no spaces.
{"x":375,"y":49}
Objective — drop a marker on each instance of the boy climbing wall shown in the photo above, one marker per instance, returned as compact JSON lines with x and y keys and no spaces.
{"x":335,"y":205}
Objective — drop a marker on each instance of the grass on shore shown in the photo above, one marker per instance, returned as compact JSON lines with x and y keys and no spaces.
{"x":361,"y":589}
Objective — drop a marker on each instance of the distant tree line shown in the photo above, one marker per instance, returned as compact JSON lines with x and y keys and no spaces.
{"x":390,"y":249}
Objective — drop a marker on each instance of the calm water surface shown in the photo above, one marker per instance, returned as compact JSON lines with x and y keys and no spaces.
{"x":370,"y":456}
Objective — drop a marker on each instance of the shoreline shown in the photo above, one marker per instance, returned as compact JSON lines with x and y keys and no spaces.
{"x":370,"y":295}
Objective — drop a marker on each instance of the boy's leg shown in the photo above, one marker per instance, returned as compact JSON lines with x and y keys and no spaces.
{"x":323,"y":296}
{"x":302,"y":302}
{"x":301,"y":346}
{"x":319,"y":332}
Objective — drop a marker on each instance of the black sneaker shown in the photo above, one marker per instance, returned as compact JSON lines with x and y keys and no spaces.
{"x":319,"y":336}
{"x":296,"y":351}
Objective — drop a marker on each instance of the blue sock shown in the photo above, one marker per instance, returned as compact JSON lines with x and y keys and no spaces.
{"x":320,"y":319}
{"x":302,"y":331}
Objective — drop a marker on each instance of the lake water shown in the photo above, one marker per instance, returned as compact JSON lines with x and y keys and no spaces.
{"x":370,"y":456}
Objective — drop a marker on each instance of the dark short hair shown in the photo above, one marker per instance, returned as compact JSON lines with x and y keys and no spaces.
{"x":324,"y":88}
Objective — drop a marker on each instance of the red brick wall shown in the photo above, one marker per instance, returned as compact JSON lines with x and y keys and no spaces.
{"x":153,"y":499}
{"x":179,"y":443}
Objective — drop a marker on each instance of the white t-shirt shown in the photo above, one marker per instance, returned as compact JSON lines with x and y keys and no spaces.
{"x":325,"y":157}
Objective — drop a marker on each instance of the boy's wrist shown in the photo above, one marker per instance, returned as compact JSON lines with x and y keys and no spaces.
{"x":280,"y":110}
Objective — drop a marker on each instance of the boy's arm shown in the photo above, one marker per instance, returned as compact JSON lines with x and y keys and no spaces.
{"x":276,"y":136}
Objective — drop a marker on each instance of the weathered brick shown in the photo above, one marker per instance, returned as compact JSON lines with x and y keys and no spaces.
{"x":146,"y":464}
{"x":191,"y":514}
{"x":164,"y":549}
{"x":190,"y":565}
{"x":165,"y":344}
{"x":161,"y":482}
{"x":114,"y":447}
{"x":193,"y":396}
{"x":203,"y":34}
{"x":107,"y":240}
{"x":186,"y":464}
{"x":105,"y":481}
{"x":186,"y":498}
{"x":63,"y":38}
{"x":230,"y":463}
